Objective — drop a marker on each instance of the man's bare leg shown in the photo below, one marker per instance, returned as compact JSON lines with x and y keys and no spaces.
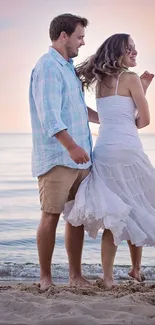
{"x":74,"y":237}
{"x":136,"y":256}
{"x":108,"y":252}
{"x":46,"y":242}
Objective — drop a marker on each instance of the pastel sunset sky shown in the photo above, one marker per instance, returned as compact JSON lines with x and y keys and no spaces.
{"x":24,"y":26}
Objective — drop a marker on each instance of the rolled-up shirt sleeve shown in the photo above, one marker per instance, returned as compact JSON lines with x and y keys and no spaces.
{"x":47,"y":91}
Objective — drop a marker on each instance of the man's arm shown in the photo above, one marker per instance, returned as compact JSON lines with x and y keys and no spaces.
{"x":93,"y":116}
{"x":47,"y":94}
{"x":78,"y":154}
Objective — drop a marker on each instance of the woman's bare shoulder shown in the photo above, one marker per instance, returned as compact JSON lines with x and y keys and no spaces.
{"x":129,"y":75}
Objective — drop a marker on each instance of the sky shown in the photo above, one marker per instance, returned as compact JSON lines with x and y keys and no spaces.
{"x":24,"y":37}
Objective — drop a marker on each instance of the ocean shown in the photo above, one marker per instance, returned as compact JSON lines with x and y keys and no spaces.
{"x":20,"y":215}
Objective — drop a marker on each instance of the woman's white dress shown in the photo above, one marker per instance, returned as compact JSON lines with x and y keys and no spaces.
{"x":119,"y":192}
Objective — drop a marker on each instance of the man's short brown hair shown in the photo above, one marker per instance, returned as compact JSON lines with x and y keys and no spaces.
{"x":65,"y":23}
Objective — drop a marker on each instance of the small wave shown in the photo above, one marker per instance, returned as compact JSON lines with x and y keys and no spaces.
{"x":60,"y":271}
{"x":18,"y":192}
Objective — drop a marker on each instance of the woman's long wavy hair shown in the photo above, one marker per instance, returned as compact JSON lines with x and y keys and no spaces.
{"x":106,"y":61}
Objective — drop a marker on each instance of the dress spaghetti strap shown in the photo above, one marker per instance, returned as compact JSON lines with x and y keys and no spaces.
{"x":118,"y":82}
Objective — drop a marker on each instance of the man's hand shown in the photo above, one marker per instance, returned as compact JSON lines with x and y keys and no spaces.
{"x":78,"y":154}
{"x":146,"y":79}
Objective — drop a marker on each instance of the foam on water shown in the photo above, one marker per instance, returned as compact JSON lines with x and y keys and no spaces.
{"x":20,"y":214}
{"x":15,"y":271}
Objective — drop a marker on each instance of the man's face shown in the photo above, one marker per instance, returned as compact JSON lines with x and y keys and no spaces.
{"x":75,"y":41}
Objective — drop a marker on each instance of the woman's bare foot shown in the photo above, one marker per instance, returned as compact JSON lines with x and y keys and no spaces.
{"x":135,"y":274}
{"x":109,"y":283}
{"x":45,"y":283}
{"x":106,"y":283}
{"x":79,"y":281}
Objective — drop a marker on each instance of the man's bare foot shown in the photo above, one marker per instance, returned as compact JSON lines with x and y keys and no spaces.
{"x":45,"y":283}
{"x":135,"y":274}
{"x":79,"y":281}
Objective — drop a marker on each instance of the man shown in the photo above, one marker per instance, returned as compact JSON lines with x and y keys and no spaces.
{"x":61,"y":156}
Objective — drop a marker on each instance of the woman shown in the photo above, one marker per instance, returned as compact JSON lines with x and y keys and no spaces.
{"x":119,"y":193}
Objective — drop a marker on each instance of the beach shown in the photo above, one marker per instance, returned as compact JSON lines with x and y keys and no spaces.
{"x":30,"y":39}
{"x":20,"y":217}
{"x":21,"y":300}
{"x":127,"y":303}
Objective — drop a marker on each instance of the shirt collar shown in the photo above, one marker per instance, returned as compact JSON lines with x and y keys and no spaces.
{"x":59,"y":57}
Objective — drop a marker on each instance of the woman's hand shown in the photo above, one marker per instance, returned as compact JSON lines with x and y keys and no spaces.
{"x":146,"y":79}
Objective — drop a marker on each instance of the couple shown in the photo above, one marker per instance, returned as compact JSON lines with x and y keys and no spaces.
{"x":117,"y":193}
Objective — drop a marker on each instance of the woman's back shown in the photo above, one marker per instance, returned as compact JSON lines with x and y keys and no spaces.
{"x":117,"y":112}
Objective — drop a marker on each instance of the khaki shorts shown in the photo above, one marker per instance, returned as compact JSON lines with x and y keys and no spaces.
{"x":58,"y":186}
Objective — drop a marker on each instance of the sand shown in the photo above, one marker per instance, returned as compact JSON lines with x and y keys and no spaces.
{"x":128,"y":303}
